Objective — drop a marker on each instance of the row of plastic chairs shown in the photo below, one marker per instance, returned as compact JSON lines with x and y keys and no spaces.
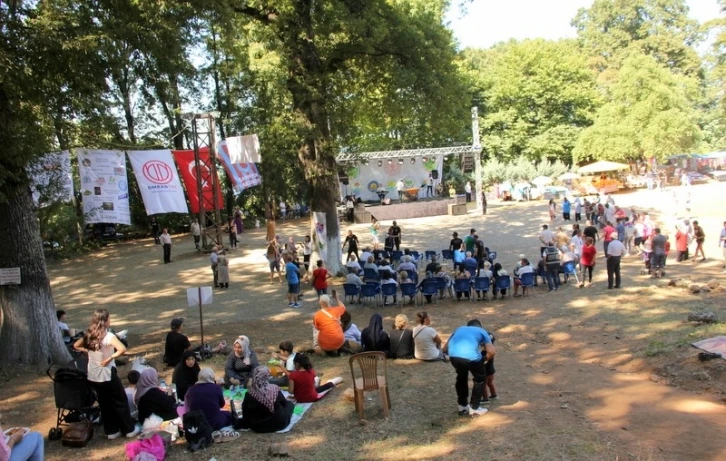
{"x":448,"y":255}
{"x":501,"y":282}
{"x":377,"y":275}
{"x":371,"y":289}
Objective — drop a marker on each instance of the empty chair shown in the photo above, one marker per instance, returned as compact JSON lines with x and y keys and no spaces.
{"x":483,"y":284}
{"x":370,"y":290}
{"x":527,"y":281}
{"x":568,"y":269}
{"x":416,"y":256}
{"x":370,"y":378}
{"x":429,"y":254}
{"x":371,"y":274}
{"x":430,"y":288}
{"x":408,"y":289}
{"x":352,"y":290}
{"x":396,"y":255}
{"x":462,"y":286}
{"x":503,"y":282}
{"x":389,"y":289}
{"x":447,"y":255}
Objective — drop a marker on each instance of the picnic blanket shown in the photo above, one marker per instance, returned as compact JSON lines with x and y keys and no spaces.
{"x":717,"y":345}
{"x":297,"y":414}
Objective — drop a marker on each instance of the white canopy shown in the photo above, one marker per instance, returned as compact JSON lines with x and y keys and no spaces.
{"x":602,"y":166}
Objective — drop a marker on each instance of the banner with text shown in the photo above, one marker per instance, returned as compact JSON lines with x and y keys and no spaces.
{"x":52,"y":178}
{"x":242,"y":149}
{"x":104,"y":186}
{"x":242,"y":175}
{"x":366,"y":181}
{"x":158,"y":181}
{"x":185,"y":160}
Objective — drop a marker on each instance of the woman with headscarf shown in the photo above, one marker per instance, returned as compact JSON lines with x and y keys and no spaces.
{"x":185,"y":373}
{"x":206,"y":396}
{"x":149,"y":399}
{"x":240,"y":363}
{"x":264,"y":408}
{"x":374,"y":337}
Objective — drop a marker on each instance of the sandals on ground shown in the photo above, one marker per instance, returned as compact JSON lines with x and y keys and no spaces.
{"x":224,"y":435}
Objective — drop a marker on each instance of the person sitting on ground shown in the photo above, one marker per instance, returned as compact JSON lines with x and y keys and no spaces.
{"x":386,"y":279}
{"x":525,"y":268}
{"x":328,"y":334}
{"x":185,"y":374}
{"x":302,"y":381}
{"x":371,"y":263}
{"x":485,"y":272}
{"x":16,"y":445}
{"x":498,"y":272}
{"x":351,"y":334}
{"x":320,"y":278}
{"x":286,"y":355}
{"x":401,"y":339}
{"x":176,"y":343}
{"x":149,"y":399}
{"x":470,"y":264}
{"x":264,"y":408}
{"x":240,"y":363}
{"x":374,"y":337}
{"x":434,"y":265}
{"x":427,"y":343}
{"x":207,"y":396}
{"x":407,"y":265}
{"x":133,"y":379}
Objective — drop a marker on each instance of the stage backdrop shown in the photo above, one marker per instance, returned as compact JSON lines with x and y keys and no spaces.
{"x":364,"y":180}
{"x":158,"y":181}
{"x":104,"y":186}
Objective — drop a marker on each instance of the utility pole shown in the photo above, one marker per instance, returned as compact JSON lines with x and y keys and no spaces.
{"x":210,"y":220}
{"x":476,"y":151}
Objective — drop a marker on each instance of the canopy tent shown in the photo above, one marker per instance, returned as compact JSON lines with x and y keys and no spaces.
{"x":602,"y":166}
{"x":542,"y":180}
{"x":568,"y":176}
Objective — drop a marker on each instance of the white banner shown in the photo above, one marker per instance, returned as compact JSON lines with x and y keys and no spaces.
{"x":365,"y":181}
{"x":242,"y":149}
{"x":52,"y":178}
{"x":158,"y":181}
{"x":104,"y":186}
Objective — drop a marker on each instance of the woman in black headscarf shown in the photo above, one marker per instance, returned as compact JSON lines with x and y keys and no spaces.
{"x":185,"y":373}
{"x":373,"y":337}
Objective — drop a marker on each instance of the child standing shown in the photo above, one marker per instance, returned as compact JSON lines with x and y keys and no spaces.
{"x":292,"y":273}
{"x":489,"y":389}
{"x":302,"y":381}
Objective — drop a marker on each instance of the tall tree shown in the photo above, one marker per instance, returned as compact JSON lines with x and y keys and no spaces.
{"x":649,"y":114}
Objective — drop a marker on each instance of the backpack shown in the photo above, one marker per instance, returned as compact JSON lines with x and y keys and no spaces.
{"x":197,"y":431}
{"x":552,"y":256}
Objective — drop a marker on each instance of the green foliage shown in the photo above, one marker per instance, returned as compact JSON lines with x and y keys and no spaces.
{"x":520,"y":170}
{"x":650,"y":114}
{"x":536,"y":96}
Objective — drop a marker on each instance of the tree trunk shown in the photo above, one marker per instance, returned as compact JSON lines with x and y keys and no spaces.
{"x":28,"y":329}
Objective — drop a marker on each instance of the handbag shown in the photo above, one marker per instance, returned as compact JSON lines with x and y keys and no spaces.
{"x":78,"y":434}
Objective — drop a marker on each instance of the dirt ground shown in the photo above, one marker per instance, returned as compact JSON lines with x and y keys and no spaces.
{"x":582,"y":374}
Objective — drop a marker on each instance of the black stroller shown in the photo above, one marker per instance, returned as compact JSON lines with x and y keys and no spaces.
{"x":74,"y":397}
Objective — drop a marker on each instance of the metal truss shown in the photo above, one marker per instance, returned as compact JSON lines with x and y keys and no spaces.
{"x":210,"y":220}
{"x":346,"y":157}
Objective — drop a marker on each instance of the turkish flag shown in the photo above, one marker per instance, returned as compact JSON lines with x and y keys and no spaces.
{"x":185,"y":161}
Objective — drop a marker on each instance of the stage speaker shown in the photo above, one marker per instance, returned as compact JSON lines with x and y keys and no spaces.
{"x":435,"y":174}
{"x":343,"y":177}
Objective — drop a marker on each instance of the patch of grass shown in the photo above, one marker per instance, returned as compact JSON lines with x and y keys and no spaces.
{"x":656,"y":347}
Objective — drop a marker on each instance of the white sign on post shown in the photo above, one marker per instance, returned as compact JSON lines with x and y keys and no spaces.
{"x":193,"y":296}
{"x":10,"y":276}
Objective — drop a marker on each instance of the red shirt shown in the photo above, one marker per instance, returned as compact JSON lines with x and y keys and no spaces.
{"x":609,"y":231}
{"x":320,"y":278}
{"x":588,"y":255}
{"x":304,"y":391}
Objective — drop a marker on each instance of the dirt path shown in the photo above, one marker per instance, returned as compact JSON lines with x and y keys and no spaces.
{"x":572,"y":376}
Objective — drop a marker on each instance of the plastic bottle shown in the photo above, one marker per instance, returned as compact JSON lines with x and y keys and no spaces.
{"x":162,"y":385}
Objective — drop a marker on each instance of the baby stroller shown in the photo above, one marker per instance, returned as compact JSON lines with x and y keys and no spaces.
{"x":74,"y":397}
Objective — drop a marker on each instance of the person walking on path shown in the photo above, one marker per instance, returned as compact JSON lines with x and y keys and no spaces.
{"x":214,"y":264}
{"x":464,"y":348}
{"x":165,"y":239}
{"x":566,"y":209}
{"x":395,"y":230}
{"x":700,"y":237}
{"x":552,"y":206}
{"x":615,"y":251}
{"x":196,"y":232}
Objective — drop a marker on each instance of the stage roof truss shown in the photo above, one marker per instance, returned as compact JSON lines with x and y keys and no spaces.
{"x":406,"y":153}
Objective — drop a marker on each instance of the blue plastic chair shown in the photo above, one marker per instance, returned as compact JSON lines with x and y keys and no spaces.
{"x":371,"y":274}
{"x":430,"y":287}
{"x":462,"y":286}
{"x":447,"y":255}
{"x":503,"y":282}
{"x":370,"y":290}
{"x":381,"y":271}
{"x":569,"y":269}
{"x":388,"y":289}
{"x":408,"y":289}
{"x":483,"y":284}
{"x":351,"y":290}
{"x":414,"y":277}
{"x":396,"y":255}
{"x":527,"y":281}
{"x":416,"y":256}
{"x":429,"y":254}
{"x":442,"y":284}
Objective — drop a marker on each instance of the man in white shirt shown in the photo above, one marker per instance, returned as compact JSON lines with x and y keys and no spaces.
{"x":467,"y":189}
{"x":283,"y":210}
{"x":524,"y":268}
{"x":615,"y":251}
{"x":196,"y":232}
{"x":365,"y":255}
{"x":546,"y":237}
{"x":576,"y":244}
{"x":399,"y":187}
{"x":165,"y":239}
{"x":214,"y":263}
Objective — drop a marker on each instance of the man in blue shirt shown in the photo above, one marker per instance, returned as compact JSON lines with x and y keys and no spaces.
{"x":470,"y":264}
{"x":293,"y":282}
{"x":464,"y":348}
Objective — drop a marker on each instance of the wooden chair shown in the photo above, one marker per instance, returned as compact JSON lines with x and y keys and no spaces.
{"x":370,"y":379}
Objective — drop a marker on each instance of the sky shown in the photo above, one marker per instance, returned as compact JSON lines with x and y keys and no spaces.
{"x":491,"y":21}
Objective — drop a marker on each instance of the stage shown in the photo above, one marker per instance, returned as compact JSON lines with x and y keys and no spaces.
{"x":435,"y":206}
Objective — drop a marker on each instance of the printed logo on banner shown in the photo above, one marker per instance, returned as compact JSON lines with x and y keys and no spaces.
{"x":123,"y":185}
{"x":157,"y":172}
{"x":123,"y":196}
